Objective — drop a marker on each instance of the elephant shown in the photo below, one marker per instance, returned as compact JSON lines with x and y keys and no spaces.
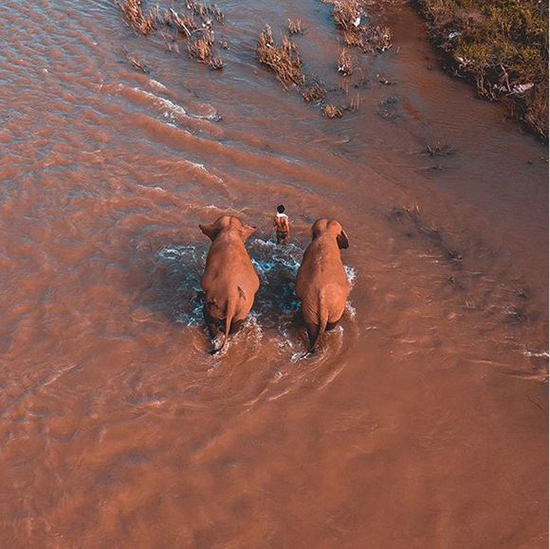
{"x":229,"y":280}
{"x":321,"y":284}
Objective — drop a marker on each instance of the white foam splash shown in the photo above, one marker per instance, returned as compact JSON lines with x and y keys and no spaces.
{"x":543,"y":354}
{"x":351,"y":273}
{"x":158,"y":86}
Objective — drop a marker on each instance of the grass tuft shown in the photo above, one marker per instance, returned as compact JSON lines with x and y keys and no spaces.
{"x":284,"y":59}
{"x":295,"y":26}
{"x":345,"y":65}
{"x":136,"y":19}
{"x":331,"y":111}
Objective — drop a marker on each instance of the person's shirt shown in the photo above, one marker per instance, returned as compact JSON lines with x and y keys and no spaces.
{"x":280,"y":221}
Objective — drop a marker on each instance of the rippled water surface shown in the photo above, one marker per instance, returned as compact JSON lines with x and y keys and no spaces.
{"x":421,"y":421}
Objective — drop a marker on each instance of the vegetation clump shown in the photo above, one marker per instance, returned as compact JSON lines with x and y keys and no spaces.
{"x":200,"y":46}
{"x":345,"y":65}
{"x":501,"y":46}
{"x":331,"y":111}
{"x":284,"y":59}
{"x":295,"y":26}
{"x":314,"y":93}
{"x":196,"y":27}
{"x":349,"y":16}
{"x":136,"y":19}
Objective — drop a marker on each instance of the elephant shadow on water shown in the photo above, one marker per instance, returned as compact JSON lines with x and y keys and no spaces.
{"x":176,"y":282}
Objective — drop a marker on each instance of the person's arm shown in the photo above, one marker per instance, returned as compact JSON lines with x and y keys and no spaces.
{"x":287,"y":225}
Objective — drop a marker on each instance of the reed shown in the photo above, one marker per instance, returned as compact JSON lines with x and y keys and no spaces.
{"x":283,"y":59}
{"x":295,"y":26}
{"x":135,"y":18}
{"x":348,"y":16}
{"x":314,"y":93}
{"x":331,"y":111}
{"x":345,"y":65}
{"x":200,"y":46}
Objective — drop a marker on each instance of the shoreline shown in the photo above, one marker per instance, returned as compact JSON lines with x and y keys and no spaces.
{"x":502,"y":49}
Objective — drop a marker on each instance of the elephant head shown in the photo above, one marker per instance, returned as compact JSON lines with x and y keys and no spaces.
{"x":331,"y":227}
{"x":227,"y":223}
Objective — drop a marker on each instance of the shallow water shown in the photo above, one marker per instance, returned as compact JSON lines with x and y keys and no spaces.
{"x":421,"y":422}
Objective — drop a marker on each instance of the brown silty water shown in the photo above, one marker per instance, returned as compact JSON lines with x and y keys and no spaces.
{"x":422,"y":419}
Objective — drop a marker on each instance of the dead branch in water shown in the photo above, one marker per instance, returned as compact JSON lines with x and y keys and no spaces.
{"x":135,"y":17}
{"x":186,"y":25}
{"x":284,"y":60}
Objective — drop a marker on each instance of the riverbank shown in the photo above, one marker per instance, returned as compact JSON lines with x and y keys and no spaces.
{"x":499,"y":45}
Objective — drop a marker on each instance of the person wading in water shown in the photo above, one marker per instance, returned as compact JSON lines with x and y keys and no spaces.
{"x":282,"y":226}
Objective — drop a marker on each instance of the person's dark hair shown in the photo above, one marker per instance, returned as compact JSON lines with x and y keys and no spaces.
{"x":280,"y":209}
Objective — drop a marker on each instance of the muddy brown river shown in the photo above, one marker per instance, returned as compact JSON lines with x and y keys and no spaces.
{"x":421,"y":422}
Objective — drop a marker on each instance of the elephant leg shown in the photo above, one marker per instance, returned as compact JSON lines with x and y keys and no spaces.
{"x":312,"y":330}
{"x":210,"y":322}
{"x":236,"y":326}
{"x":332,"y":325}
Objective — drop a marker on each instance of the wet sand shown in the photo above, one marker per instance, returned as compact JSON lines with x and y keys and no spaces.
{"x":422,"y":420}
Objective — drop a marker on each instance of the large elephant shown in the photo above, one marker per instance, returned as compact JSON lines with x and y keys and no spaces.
{"x":229,"y":280}
{"x":322,"y":285}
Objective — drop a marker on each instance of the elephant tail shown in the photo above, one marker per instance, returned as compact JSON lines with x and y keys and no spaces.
{"x":232,"y":303}
{"x":322,"y":324}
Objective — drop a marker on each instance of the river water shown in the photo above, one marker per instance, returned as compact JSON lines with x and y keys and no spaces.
{"x":422,"y":419}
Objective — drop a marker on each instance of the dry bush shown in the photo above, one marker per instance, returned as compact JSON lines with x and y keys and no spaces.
{"x":295,"y":26}
{"x":331,"y":111}
{"x":185,"y":24}
{"x":345,"y":65}
{"x":314,"y":93}
{"x":216,"y":63}
{"x":378,"y":37}
{"x":200,"y":47}
{"x":347,"y":14}
{"x":205,"y":11}
{"x":284,"y":60}
{"x":133,"y":12}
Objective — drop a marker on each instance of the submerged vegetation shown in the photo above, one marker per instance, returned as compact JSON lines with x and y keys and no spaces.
{"x":502,"y":46}
{"x":196,"y":27}
{"x":350,"y":17}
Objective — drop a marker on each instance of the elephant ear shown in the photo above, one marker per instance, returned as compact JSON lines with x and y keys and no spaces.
{"x":211,"y":230}
{"x":246,"y":231}
{"x":342,"y":240}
